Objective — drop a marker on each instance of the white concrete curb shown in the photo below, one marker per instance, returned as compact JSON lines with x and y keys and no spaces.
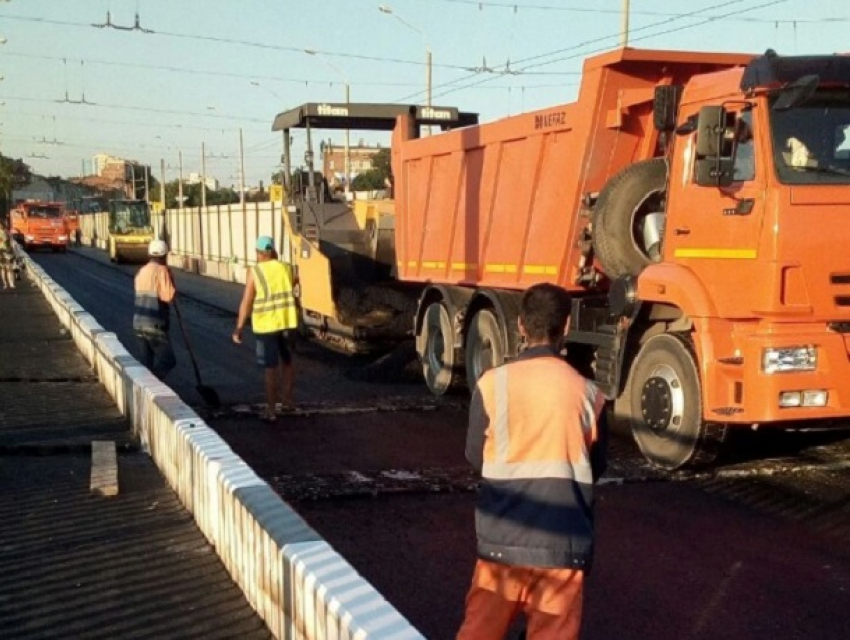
{"x":298,"y":584}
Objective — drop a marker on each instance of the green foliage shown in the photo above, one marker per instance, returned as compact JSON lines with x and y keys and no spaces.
{"x":192,"y":193}
{"x":378,"y":176}
{"x":368,"y":181}
{"x":381,"y":162}
{"x":14,"y":174}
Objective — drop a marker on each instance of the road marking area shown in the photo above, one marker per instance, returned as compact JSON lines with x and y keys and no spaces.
{"x":104,"y":468}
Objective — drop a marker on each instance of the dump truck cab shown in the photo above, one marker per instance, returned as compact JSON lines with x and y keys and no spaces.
{"x":758,"y":192}
{"x":37,"y":224}
{"x":344,"y":247}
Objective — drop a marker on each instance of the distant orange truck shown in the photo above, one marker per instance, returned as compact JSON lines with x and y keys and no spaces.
{"x":695,"y":204}
{"x":39,"y":224}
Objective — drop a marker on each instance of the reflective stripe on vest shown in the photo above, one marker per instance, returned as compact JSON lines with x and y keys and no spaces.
{"x":150,"y":314}
{"x":274,"y":302}
{"x":501,"y":467}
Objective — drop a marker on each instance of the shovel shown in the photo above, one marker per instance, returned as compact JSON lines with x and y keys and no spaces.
{"x":208,"y":394}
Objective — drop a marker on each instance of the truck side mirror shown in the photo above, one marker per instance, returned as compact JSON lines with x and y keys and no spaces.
{"x":715,"y":160}
{"x":711,"y":125}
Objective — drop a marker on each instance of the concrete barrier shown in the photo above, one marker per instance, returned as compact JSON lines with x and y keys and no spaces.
{"x":295,"y":580}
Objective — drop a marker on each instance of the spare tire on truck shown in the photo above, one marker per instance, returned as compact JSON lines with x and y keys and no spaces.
{"x":628,"y":219}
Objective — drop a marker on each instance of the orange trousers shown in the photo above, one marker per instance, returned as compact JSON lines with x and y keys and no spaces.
{"x":550,"y":599}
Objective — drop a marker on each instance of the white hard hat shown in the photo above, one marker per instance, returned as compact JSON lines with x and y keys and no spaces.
{"x":157,"y":248}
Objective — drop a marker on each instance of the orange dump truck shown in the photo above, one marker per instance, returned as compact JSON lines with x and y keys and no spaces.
{"x":40,"y":224}
{"x":695,"y":204}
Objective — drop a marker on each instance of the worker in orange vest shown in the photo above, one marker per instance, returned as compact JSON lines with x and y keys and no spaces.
{"x":535,"y":436}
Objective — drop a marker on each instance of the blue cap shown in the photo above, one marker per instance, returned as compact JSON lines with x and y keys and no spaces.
{"x":265,"y":243}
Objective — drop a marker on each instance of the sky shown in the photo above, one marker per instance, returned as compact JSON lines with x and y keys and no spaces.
{"x":197,"y":72}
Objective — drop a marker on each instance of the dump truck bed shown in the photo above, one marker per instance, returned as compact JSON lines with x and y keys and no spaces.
{"x":501,"y":204}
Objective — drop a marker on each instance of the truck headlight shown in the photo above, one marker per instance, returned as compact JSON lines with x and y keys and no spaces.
{"x":62,"y":238}
{"x":784,"y":359}
{"x":29,"y":238}
{"x":808,"y":398}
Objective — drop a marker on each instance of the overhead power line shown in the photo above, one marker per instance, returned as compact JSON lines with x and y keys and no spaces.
{"x":457,"y":82}
{"x":516,"y":7}
{"x":247,"y":43}
{"x":127,"y":107}
{"x":456,"y":85}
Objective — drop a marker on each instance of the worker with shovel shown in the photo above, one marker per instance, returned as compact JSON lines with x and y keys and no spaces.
{"x":269,"y":299}
{"x":155,"y":292}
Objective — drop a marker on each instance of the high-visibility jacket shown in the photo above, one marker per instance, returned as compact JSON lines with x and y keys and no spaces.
{"x":274,"y":302}
{"x":533,"y":434}
{"x":154,"y":292}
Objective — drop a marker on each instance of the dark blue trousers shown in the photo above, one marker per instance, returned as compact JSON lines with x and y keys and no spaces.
{"x":156,"y":353}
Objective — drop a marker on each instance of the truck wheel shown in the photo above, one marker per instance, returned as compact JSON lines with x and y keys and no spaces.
{"x":628,"y":220}
{"x":436,"y":349}
{"x":665,"y":405}
{"x":485,"y":346}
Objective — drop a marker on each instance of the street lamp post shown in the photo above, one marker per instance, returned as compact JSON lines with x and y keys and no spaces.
{"x":624,"y":34}
{"x":284,"y":176}
{"x":428,"y":65}
{"x":203,"y":175}
{"x":347,"y":132}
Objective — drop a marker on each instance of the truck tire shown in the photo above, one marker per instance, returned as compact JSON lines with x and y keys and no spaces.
{"x":623,"y":207}
{"x":485,"y":345}
{"x":664,"y":400}
{"x":436,"y":348}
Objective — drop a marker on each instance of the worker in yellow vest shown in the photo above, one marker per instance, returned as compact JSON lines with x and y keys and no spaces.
{"x":269,"y":300}
{"x":535,"y":436}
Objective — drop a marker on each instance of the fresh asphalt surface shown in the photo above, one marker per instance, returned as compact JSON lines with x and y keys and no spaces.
{"x":758,"y":549}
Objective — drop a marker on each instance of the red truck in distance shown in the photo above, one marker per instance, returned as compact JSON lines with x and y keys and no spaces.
{"x":37,"y":224}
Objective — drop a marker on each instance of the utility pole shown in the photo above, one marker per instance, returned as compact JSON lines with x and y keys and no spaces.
{"x":347,"y":150}
{"x":180,"y":181}
{"x":624,"y":35}
{"x":203,"y":175}
{"x":162,"y":183}
{"x":428,"y":82}
{"x":241,"y":170}
{"x":147,"y":184}
{"x":336,"y":69}
{"x":287,"y":162}
{"x":389,"y":11}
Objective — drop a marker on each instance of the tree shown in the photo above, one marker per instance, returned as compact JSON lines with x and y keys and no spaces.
{"x":14,"y":174}
{"x":382,"y":163}
{"x":370,"y":180}
{"x":378,"y":176}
